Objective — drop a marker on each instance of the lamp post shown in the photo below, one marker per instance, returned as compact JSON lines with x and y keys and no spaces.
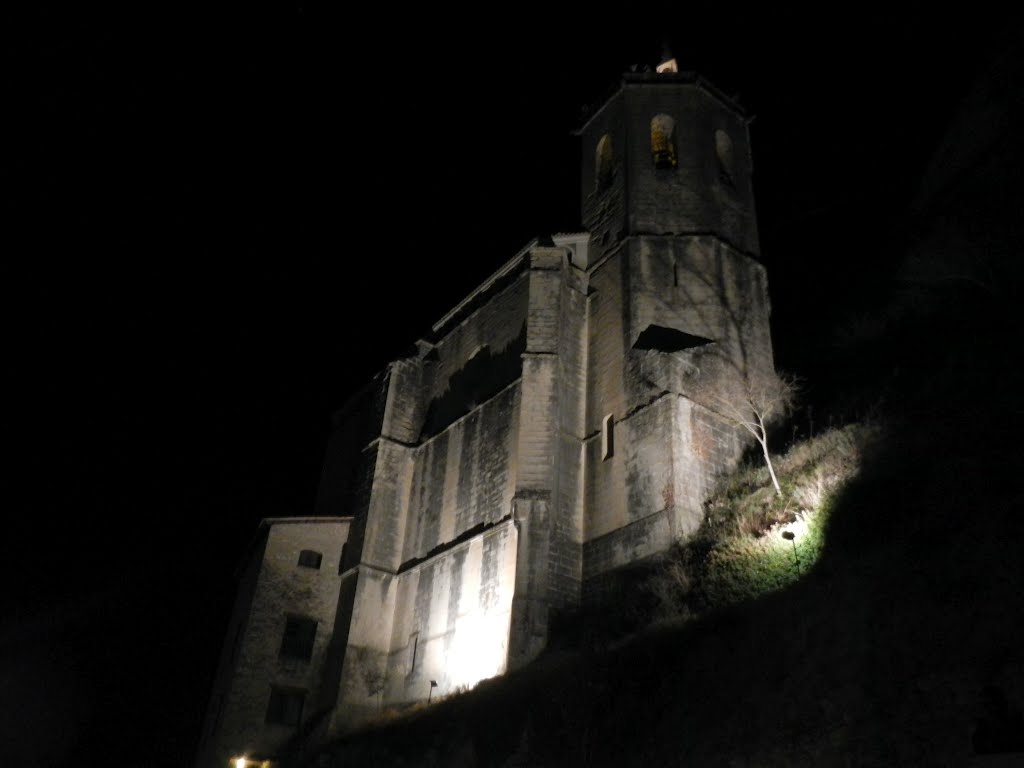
{"x":791,"y":537}
{"x":433,"y":685}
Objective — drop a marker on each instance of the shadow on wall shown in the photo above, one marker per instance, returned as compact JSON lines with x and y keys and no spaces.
{"x":484,"y":375}
{"x":663,"y":339}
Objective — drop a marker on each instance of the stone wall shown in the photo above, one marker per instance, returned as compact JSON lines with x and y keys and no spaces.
{"x":567,"y":518}
{"x":670,"y":318}
{"x":693,"y":197}
{"x":380,"y":528}
{"x":439,"y":477}
{"x":603,"y":206}
{"x":628,"y":493}
{"x":463,"y":477}
{"x":474,"y":359}
{"x":715,"y":297}
{"x":548,"y":501}
{"x":366,"y":614}
{"x":452,"y":616}
{"x":252,"y":661}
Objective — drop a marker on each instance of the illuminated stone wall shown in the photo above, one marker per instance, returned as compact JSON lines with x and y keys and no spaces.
{"x":452,"y":616}
{"x":548,"y":501}
{"x":670,"y":444}
{"x":492,"y":323}
{"x":463,"y":477}
{"x":274,"y":586}
{"x":366,"y":612}
{"x":435,"y":484}
{"x":565,"y":556}
{"x":605,"y":488}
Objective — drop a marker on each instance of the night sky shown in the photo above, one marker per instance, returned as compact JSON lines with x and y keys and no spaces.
{"x":222,"y":221}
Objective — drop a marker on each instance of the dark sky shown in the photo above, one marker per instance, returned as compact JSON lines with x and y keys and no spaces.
{"x":224,"y":219}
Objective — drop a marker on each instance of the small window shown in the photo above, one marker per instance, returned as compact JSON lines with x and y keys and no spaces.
{"x":299,"y":635}
{"x":607,"y":437}
{"x":285,"y":707}
{"x":663,"y":141}
{"x":414,"y":643}
{"x":603,"y":163}
{"x":309,"y":558}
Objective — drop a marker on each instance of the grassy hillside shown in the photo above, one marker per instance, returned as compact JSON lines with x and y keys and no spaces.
{"x":887,"y":632}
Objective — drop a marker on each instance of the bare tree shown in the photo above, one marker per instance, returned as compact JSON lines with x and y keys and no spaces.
{"x":758,"y":400}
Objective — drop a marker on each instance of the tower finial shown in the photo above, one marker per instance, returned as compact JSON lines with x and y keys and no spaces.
{"x":668,"y":62}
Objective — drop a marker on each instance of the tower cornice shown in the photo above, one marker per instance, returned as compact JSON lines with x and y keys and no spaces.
{"x":632,"y":79}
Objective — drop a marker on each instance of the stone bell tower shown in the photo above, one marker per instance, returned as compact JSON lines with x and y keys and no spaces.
{"x":677,"y":313}
{"x":668,"y":154}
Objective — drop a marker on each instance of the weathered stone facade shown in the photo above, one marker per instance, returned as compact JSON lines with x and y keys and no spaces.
{"x":558,"y":425}
{"x":274,"y":589}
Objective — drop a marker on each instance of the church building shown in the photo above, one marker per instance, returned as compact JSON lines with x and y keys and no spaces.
{"x":560,"y":424}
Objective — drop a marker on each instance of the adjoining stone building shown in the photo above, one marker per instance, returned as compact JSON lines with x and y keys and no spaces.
{"x":558,"y":425}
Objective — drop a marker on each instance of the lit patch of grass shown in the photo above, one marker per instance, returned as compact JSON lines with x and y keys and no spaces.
{"x":753,"y":541}
{"x":746,"y":566}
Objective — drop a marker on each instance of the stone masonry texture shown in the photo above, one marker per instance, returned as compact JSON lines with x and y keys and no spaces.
{"x":560,"y":426}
